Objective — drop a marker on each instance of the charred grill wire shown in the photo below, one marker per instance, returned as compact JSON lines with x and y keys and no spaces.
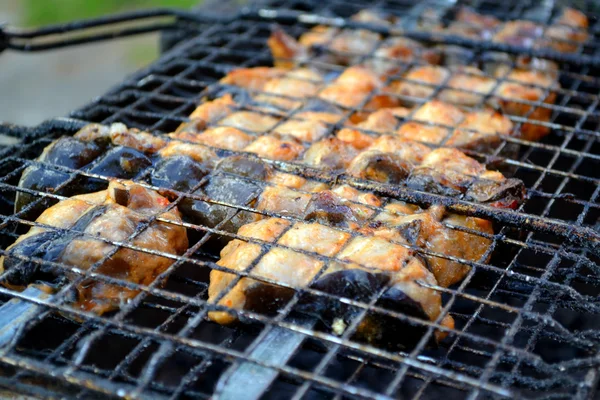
{"x":524,"y":320}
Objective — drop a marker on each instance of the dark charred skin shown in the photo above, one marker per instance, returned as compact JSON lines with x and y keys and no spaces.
{"x":43,"y":180}
{"x":22,"y":273}
{"x":72,"y":153}
{"x":259,"y":291}
{"x":67,"y":152}
{"x":507,"y":194}
{"x":48,"y":246}
{"x":428,"y":181}
{"x":232,"y":190}
{"x":376,"y":329}
{"x":380,"y":167}
{"x":120,"y":162}
{"x":179,"y":173}
{"x":326,"y":207}
{"x":246,"y":167}
{"x":383,"y":330}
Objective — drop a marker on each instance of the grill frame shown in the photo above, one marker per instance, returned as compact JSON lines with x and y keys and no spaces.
{"x":408,"y":362}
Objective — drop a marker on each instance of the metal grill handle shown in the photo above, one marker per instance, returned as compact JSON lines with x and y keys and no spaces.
{"x":53,"y":36}
{"x":80,"y":32}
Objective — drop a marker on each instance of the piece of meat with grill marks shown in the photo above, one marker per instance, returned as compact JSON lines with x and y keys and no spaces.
{"x":296,"y":85}
{"x":207,"y":112}
{"x":380,"y":121}
{"x":386,"y":265}
{"x":295,"y":182}
{"x":343,"y":47}
{"x":408,"y":150}
{"x":394,"y":53}
{"x":426,"y":229}
{"x":249,"y":121}
{"x":473,"y":22}
{"x":111,"y":215}
{"x":436,"y":122}
{"x":330,"y":153}
{"x":196,"y":152}
{"x":516,"y":88}
{"x":480,"y":130}
{"x":339,"y":207}
{"x":564,"y":35}
{"x":277,"y":90}
{"x":420,"y":82}
{"x":221,"y":137}
{"x":567,"y":32}
{"x":285,"y":49}
{"x":463,"y":85}
{"x":342,"y":205}
{"x":471,"y":79}
{"x":283,"y":201}
{"x":355,"y":195}
{"x":90,"y":150}
{"x":374,"y":165}
{"x":354,"y":86}
{"x":306,"y":130}
{"x":275,"y":147}
{"x":507,"y":96}
{"x":476,"y":130}
{"x":119,"y":135}
{"x":518,"y":33}
{"x":450,"y":172}
{"x":254,"y":78}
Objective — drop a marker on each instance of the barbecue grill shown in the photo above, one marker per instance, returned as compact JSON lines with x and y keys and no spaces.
{"x":526,"y":321}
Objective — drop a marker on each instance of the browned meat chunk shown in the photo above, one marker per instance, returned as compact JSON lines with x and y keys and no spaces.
{"x":450,"y":172}
{"x":110,"y":215}
{"x":368,"y":262}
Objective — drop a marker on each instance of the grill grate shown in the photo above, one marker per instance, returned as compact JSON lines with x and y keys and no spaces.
{"x":525,"y":320}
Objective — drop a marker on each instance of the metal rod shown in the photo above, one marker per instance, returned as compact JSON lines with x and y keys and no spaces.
{"x":16,"y":312}
{"x":248,"y":380}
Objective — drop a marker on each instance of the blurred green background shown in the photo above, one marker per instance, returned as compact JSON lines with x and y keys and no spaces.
{"x":42,"y":85}
{"x":41,"y":12}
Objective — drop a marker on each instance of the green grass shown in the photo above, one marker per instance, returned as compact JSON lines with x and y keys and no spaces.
{"x":43,"y":12}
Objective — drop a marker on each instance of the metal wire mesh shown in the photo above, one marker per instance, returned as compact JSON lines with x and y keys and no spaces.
{"x":525,"y":320}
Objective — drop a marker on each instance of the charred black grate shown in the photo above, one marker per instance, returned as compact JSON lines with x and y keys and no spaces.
{"x":526,"y":321}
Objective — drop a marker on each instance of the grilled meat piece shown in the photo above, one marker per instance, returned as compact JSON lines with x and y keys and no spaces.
{"x":396,"y":53}
{"x":477,"y":130}
{"x":362,"y":259}
{"x":449,"y":172}
{"x":91,"y":220}
{"x":277,"y":89}
{"x":67,"y":152}
{"x":89,"y":150}
{"x":428,"y":230}
{"x":526,"y":85}
{"x":381,"y":121}
{"x":344,"y":47}
{"x":381,"y":167}
{"x":358,"y":86}
{"x":509,"y":95}
{"x":221,"y":137}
